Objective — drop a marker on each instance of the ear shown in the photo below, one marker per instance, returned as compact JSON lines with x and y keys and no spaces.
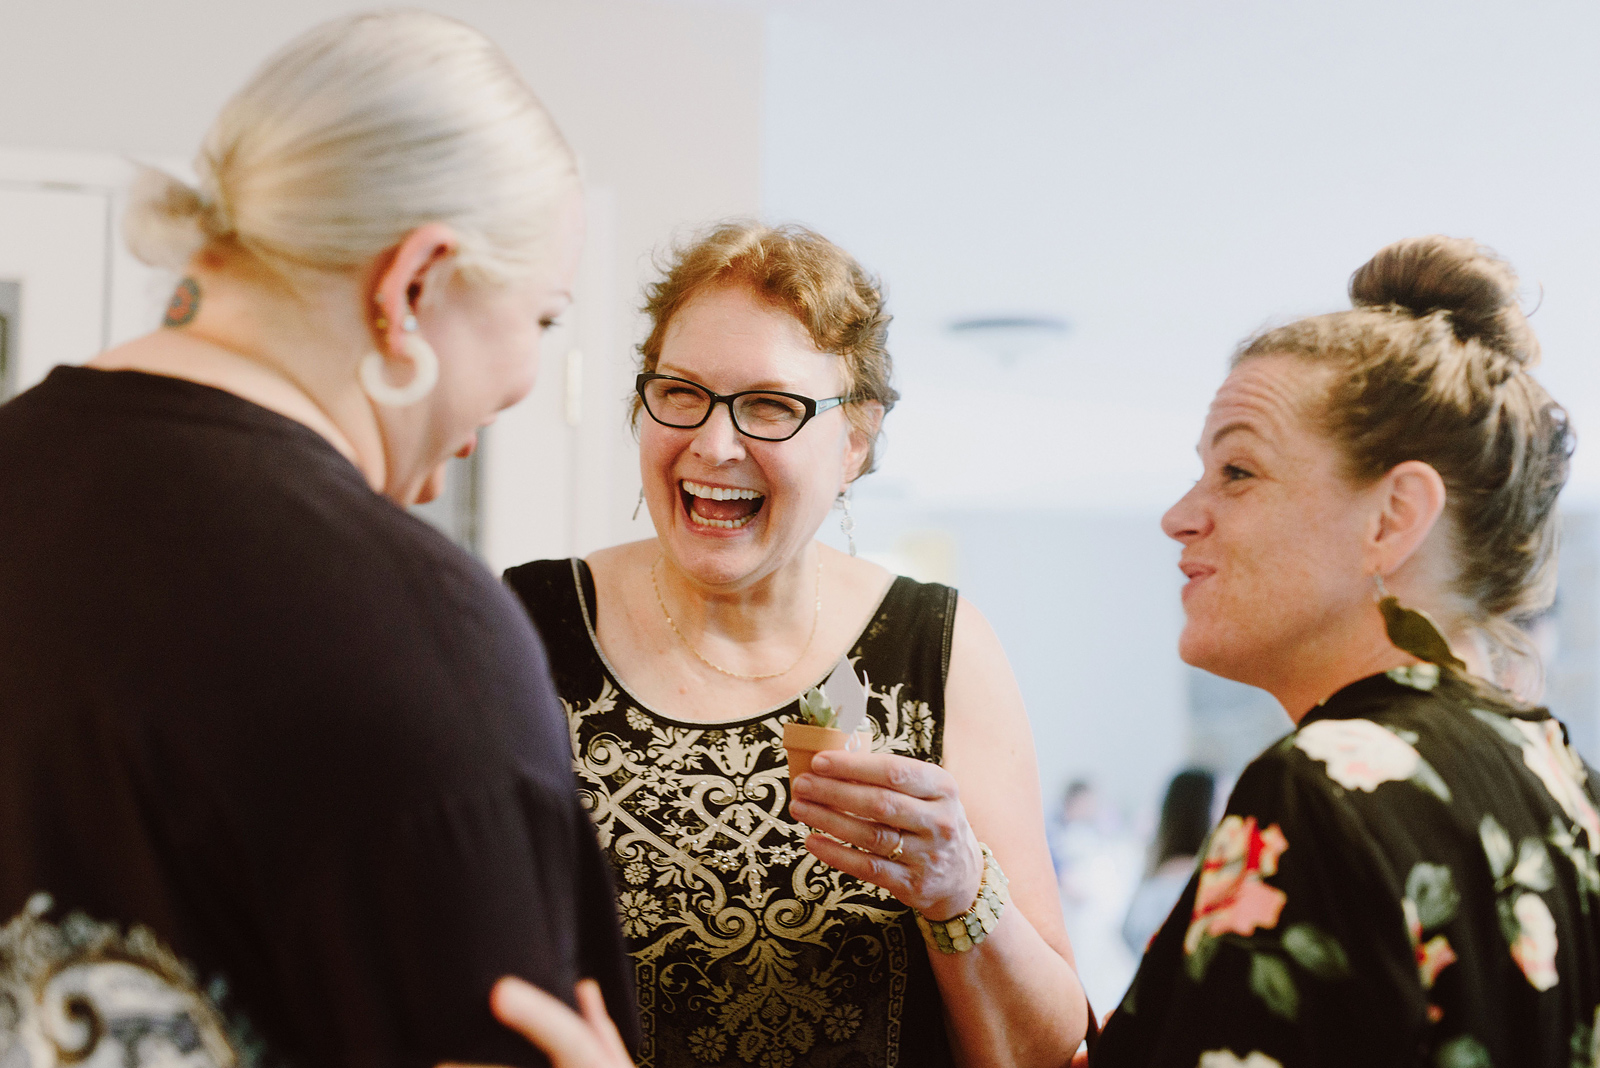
{"x":1411,"y":498}
{"x":863,"y":429}
{"x":408,"y":277}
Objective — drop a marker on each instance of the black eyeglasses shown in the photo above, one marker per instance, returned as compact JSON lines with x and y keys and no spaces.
{"x":757,"y":413}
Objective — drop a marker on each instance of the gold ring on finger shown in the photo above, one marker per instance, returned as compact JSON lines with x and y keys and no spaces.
{"x":899,"y":847}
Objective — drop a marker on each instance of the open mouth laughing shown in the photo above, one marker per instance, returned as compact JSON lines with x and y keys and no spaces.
{"x":720,"y":507}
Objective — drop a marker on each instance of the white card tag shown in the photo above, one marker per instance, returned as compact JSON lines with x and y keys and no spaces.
{"x":848,"y":696}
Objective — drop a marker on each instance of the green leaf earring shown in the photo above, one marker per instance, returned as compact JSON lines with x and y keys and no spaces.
{"x":1414,"y":631}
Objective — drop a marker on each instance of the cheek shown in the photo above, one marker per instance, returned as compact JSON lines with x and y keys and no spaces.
{"x":1282,"y":569}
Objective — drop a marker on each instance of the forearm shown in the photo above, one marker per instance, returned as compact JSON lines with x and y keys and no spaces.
{"x":1011,"y":1000}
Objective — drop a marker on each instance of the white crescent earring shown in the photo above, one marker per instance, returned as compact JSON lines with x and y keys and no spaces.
{"x":423,"y":359}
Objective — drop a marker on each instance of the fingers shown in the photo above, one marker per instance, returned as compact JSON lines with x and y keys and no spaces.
{"x":875,"y":803}
{"x":593,"y":1006}
{"x":863,"y":834}
{"x":891,"y":875}
{"x":569,"y":1040}
{"x":917,"y":778}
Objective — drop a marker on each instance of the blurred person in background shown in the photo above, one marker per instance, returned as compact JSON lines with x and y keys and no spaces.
{"x":1073,"y":822}
{"x":1412,"y":875}
{"x":1097,"y":861}
{"x":766,"y":377}
{"x":284,"y":777}
{"x":1185,"y":822}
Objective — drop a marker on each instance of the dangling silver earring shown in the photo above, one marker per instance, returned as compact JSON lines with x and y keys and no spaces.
{"x":639,"y":505}
{"x":847,"y":522}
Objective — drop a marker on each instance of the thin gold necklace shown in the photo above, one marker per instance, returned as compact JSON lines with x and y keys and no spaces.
{"x":815,"y":619}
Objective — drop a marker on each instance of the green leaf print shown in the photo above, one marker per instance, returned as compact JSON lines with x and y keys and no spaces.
{"x":1198,"y":961}
{"x":1430,"y":781}
{"x":1271,"y":981}
{"x":1533,"y":868}
{"x":1463,"y":1051}
{"x":1496,"y":845}
{"x":1582,"y":1046}
{"x":1583,"y":863}
{"x":1432,"y":889}
{"x":1316,"y":951}
{"x":1510,"y":926}
{"x":1500,"y":726}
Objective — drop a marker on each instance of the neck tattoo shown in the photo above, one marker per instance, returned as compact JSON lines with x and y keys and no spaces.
{"x":815,"y":619}
{"x":184,"y":305}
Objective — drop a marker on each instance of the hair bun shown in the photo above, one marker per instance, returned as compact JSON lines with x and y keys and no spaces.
{"x":1455,"y":275}
{"x":164,"y":224}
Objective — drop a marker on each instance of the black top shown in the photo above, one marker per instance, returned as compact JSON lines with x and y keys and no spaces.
{"x":747,"y":949}
{"x":305,"y":744}
{"x":1409,"y":878}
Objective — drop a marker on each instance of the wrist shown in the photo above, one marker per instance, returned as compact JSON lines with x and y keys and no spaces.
{"x":967,"y":929}
{"x":960,"y":902}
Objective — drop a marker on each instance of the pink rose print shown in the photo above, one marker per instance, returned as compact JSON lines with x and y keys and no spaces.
{"x":1434,"y":955}
{"x":1231,"y":898}
{"x":1535,"y":949}
{"x":1548,"y":756}
{"x":1359,"y":754}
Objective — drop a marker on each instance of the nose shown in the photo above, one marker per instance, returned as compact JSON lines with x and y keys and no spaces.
{"x":717,"y":442}
{"x":1188,"y":519}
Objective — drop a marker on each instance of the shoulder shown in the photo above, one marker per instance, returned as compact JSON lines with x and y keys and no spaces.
{"x":540,"y":582}
{"x":923,"y":611}
{"x":984,"y":708}
{"x":975,"y":651}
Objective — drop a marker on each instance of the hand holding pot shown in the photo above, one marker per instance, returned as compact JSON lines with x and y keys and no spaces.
{"x":899,"y":824}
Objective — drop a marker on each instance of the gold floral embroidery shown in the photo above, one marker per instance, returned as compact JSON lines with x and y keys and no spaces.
{"x":755,"y":952}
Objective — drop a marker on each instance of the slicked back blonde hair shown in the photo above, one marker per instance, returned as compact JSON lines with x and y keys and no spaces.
{"x":1432,"y":364}
{"x":798,"y":270}
{"x":355,"y":134}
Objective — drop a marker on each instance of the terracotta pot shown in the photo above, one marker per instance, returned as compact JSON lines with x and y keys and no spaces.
{"x":802,"y":741}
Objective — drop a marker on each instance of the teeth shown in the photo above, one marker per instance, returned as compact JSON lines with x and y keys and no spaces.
{"x":719,"y":493}
{"x":725,"y":524}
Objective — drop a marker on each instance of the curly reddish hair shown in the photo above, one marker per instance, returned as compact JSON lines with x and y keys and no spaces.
{"x":840,"y":305}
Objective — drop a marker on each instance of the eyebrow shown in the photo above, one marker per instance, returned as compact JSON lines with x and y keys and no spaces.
{"x":1231,"y":428}
{"x":765,"y":387}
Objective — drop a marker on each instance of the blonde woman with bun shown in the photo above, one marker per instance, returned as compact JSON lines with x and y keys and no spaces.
{"x":1412,"y":875}
{"x":284,"y":777}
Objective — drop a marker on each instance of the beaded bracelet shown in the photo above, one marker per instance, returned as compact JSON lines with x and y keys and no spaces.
{"x":961,"y":933}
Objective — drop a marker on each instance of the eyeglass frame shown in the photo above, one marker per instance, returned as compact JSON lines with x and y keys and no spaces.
{"x":813,"y":406}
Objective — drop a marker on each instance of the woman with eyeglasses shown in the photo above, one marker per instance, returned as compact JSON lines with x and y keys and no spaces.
{"x":860,"y":914}
{"x":1411,"y":876}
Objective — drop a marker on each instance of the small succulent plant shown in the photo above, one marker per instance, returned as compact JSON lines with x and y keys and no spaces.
{"x":816,"y":709}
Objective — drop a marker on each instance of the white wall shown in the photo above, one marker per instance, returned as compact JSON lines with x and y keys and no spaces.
{"x":662,"y":102}
{"x":1168,"y":176}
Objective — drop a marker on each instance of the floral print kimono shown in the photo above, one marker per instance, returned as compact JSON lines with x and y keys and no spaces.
{"x":1409,"y":878}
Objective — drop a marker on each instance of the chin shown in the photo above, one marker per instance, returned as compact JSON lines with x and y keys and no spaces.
{"x":1200,"y":649}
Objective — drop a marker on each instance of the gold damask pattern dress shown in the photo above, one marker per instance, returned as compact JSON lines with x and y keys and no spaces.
{"x":747,"y":950}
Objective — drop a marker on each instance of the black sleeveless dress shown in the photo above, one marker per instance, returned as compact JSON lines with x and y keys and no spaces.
{"x":748,"y":951}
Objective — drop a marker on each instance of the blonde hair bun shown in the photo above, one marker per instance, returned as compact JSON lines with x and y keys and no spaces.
{"x":358,"y":132}
{"x":165,"y":221}
{"x":1473,"y":287}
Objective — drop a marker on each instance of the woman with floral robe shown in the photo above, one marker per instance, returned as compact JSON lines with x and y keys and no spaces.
{"x":1409,"y":878}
